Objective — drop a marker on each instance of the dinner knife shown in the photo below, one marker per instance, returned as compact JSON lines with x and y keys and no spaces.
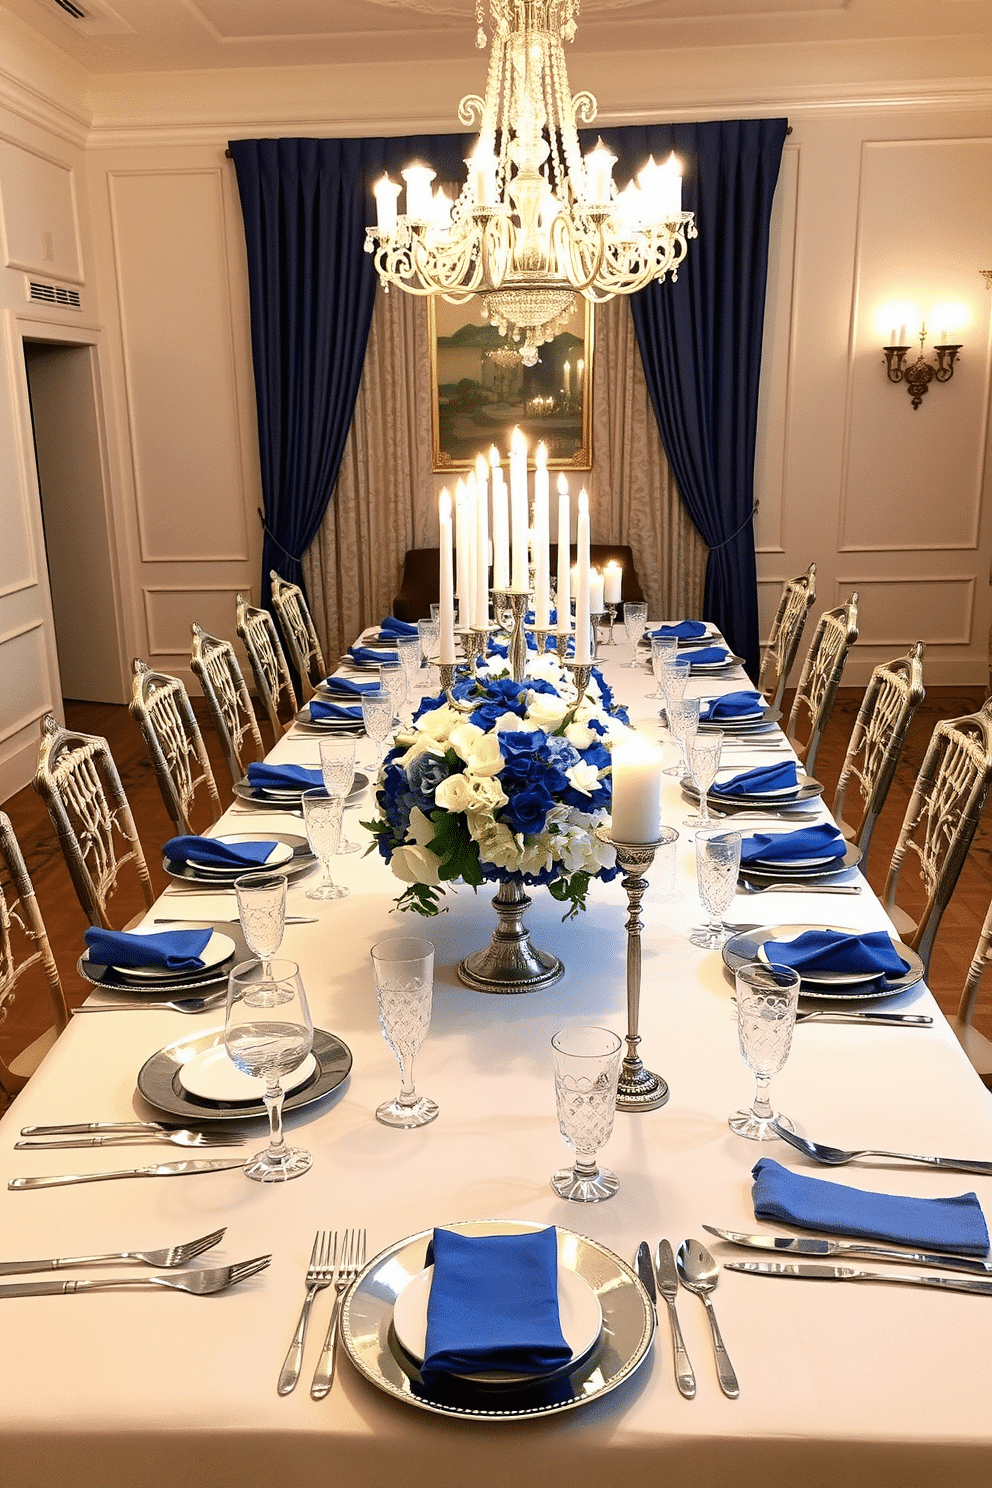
{"x":845,"y":1273}
{"x":159,"y":1170}
{"x":228,"y":920}
{"x":805,"y":1246}
{"x":72,"y":1128}
{"x":668,"y":1285}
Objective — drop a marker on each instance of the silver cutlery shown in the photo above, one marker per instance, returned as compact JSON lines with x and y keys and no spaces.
{"x":191,"y":1005}
{"x":834,"y":1015}
{"x":182,"y":1138}
{"x":170,"y":1255}
{"x":746,"y":885}
{"x":668,"y":1286}
{"x":700,"y":1274}
{"x":764,"y":816}
{"x":74,"y":1128}
{"x":320,"y":1273}
{"x":159,"y":1170}
{"x":352,"y":1261}
{"x":834,"y":1157}
{"x":199,"y":1283}
{"x":227,"y":920}
{"x":845,"y":1273}
{"x":806,"y":1246}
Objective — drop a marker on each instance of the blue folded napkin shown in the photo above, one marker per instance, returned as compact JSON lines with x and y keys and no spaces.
{"x":956,"y":1225}
{"x":832,"y":950}
{"x":391,"y":627}
{"x":731,"y":705}
{"x":365,"y":654}
{"x":319,"y":710}
{"x":180,"y":850}
{"x":173,"y":950}
{"x":685,"y":630}
{"x":283,"y":777}
{"x":760,"y":781}
{"x":707,"y":655}
{"x":347,"y":686}
{"x":493,"y":1304}
{"x":822,"y":841}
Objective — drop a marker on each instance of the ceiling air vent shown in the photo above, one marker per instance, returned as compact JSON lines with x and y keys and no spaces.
{"x":53,"y":294}
{"x":70,"y":9}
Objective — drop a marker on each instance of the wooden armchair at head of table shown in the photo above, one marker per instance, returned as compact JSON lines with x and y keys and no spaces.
{"x":420,"y":584}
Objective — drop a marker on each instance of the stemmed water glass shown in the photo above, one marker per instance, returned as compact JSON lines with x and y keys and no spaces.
{"x":587,"y":1066}
{"x":323,"y":814}
{"x":393,"y":678}
{"x":683,"y":721}
{"x":674,"y":680}
{"x":635,"y":616}
{"x":267,"y":1033}
{"x":703,"y":759}
{"x":430,"y":643}
{"x":408,"y":651}
{"x":404,"y":986}
{"x":663,"y":651}
{"x":718,"y":862}
{"x":337,"y":766}
{"x":377,"y":715}
{"x":262,"y":912}
{"x":766,"y":1015}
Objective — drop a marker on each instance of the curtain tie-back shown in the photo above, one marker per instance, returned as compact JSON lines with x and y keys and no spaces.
{"x":728,"y":540}
{"x":272,"y":537}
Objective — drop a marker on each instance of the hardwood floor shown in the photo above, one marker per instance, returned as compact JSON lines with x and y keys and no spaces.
{"x":66,"y":922}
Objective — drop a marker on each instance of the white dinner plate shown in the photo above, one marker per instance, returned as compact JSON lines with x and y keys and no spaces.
{"x":578,"y":1309}
{"x":798,"y":863}
{"x":212,"y":1076}
{"x":218,"y":949}
{"x":280,"y":854}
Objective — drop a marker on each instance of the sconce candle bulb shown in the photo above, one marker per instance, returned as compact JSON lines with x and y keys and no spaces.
{"x":920,"y":374}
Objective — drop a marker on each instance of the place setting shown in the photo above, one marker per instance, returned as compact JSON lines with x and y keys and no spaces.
{"x":742,"y":714}
{"x":217,"y":861}
{"x":282,"y":786}
{"x":779,"y":786}
{"x":812,"y":857}
{"x":834,"y":963}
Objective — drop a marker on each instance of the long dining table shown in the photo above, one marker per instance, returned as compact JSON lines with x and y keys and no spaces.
{"x":839,"y":1384}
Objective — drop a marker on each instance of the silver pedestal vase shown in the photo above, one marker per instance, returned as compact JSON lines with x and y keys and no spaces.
{"x":510,"y":964}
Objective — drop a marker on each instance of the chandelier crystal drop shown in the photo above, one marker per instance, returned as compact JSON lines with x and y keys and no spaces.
{"x":536,"y":222}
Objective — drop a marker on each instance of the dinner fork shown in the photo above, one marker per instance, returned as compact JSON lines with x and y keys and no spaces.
{"x":179,"y":1005}
{"x":170,"y":1255}
{"x":352,"y":1261}
{"x":182,"y":1138}
{"x":320,"y":1274}
{"x":198,"y":1283}
{"x":747,"y":887}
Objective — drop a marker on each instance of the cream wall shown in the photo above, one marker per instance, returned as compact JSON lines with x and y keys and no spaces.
{"x":882,"y":197}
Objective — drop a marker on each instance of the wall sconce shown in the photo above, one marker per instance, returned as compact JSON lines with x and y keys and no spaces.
{"x":920,"y":374}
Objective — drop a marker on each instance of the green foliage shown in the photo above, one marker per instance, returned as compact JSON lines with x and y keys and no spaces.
{"x":452,"y":843}
{"x":572,"y":891}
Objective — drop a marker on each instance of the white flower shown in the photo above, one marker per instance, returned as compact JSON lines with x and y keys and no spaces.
{"x":496,"y":842}
{"x":470,"y":793}
{"x":509,"y":723}
{"x":483,"y":757}
{"x":414,"y":862}
{"x":584,"y":777}
{"x":463,"y":739}
{"x":546,"y":710}
{"x":548,"y":669}
{"x":536,"y":854}
{"x":580,"y":735}
{"x":422,"y":744}
{"x":439,"y":722}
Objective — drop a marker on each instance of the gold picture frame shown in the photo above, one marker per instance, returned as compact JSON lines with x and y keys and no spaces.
{"x":477,"y":399}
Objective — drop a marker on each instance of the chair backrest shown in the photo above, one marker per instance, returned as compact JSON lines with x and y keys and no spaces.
{"x":23,"y":946}
{"x":894,"y":692}
{"x":164,"y":713}
{"x":298,"y":632}
{"x":835,"y":634}
{"x":216,"y":668}
{"x":977,"y":1047}
{"x":78,"y":782}
{"x":257,"y":631}
{"x":940,"y":821}
{"x":787,"y":631}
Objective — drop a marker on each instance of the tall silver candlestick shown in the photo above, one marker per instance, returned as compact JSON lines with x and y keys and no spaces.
{"x":638,"y":1088}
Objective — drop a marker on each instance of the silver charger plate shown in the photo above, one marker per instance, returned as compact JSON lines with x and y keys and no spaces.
{"x":762,"y":724}
{"x":370,"y":1341}
{"x":768,"y":873}
{"x":744,"y":947}
{"x":352,"y":727}
{"x":809,"y":790}
{"x":112,"y":981}
{"x":159,"y":1083}
{"x":292,"y":798}
{"x":301,"y":862}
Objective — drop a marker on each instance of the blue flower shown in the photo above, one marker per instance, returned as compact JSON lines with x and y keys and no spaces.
{"x":424,"y":775}
{"x":528,"y":809}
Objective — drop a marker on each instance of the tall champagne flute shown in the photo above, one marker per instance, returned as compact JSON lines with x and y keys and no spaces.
{"x":377,"y":715}
{"x":392,"y":678}
{"x":404,"y":986}
{"x":635,"y":615}
{"x":262,"y":912}
{"x":663,"y":651}
{"x":337,"y":766}
{"x":683,"y":721}
{"x":718,"y":862}
{"x":268,"y":1032}
{"x":408,"y":651}
{"x":703,"y":758}
{"x":587,"y":1066}
{"x":322,"y":817}
{"x":430,"y":644}
{"x":674,"y":681}
{"x":767,"y":996}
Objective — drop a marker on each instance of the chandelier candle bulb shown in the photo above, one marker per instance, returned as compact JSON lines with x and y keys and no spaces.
{"x":583,"y":651}
{"x":419,"y":197}
{"x":599,"y":175}
{"x":446,"y":612}
{"x":637,"y":772}
{"x":564,"y":544}
{"x":612,"y":582}
{"x":386,"y":195}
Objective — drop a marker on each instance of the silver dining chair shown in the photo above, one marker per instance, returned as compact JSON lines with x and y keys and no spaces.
{"x":160,"y":704}
{"x":787,"y":631}
{"x":977,"y":1047}
{"x":940,"y":823}
{"x":895,"y":690}
{"x":216,"y":668}
{"x":835,"y":634}
{"x":257,"y":632}
{"x":80,"y":785}
{"x":25,"y":959}
{"x":299,"y":633}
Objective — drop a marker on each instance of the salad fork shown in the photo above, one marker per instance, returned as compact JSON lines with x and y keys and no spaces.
{"x":170,"y":1256}
{"x":198,"y":1283}
{"x":320,"y":1274}
{"x":352,"y":1261}
{"x":181,"y":1138}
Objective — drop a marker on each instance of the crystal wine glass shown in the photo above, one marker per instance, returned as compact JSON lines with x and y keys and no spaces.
{"x":703,"y":758}
{"x":718,"y":862}
{"x":766,"y":1015}
{"x":408,"y":651}
{"x":663,"y":650}
{"x":635,"y":616}
{"x":267,"y":1033}
{"x":262,"y":912}
{"x":377,"y":715}
{"x":683,"y":721}
{"x":404,"y":986}
{"x":430,"y":644}
{"x":322,"y":816}
{"x":393,"y":679}
{"x":337,"y":766}
{"x":674,"y":681}
{"x":587,"y":1066}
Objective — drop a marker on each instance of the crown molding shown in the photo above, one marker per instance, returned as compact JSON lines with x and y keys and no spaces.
{"x":54,"y":115}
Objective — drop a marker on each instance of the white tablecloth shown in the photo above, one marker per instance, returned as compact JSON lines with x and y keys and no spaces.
{"x":839,"y":1384}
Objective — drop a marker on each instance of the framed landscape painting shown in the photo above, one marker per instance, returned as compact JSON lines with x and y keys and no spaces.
{"x":481,"y":390}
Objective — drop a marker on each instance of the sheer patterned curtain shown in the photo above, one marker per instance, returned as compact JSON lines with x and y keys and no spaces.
{"x":633,"y":493}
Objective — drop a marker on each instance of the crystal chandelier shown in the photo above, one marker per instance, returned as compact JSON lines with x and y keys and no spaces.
{"x":536,"y":221}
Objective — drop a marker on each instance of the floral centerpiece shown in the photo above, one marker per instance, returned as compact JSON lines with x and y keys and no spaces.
{"x":508,"y":782}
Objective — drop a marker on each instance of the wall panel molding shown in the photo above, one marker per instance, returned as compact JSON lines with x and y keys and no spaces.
{"x":162,"y":618}
{"x":29,"y":667}
{"x":916,"y":603}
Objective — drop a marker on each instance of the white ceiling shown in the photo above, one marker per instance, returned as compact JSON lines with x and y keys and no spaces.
{"x":172,"y":35}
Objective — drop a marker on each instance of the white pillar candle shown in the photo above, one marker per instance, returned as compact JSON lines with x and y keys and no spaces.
{"x":568,"y":380}
{"x":596,"y":592}
{"x":564,"y":541}
{"x":542,"y":539}
{"x":636,"y":790}
{"x":501,"y":533}
{"x":461,"y":554}
{"x":583,"y":651}
{"x":612,"y":582}
{"x":518,"y":509}
{"x":446,"y":613}
{"x":481,"y":614}
{"x":468,"y":615}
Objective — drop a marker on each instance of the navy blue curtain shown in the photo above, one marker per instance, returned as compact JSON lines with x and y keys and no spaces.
{"x":306,"y":204}
{"x":700,"y":342}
